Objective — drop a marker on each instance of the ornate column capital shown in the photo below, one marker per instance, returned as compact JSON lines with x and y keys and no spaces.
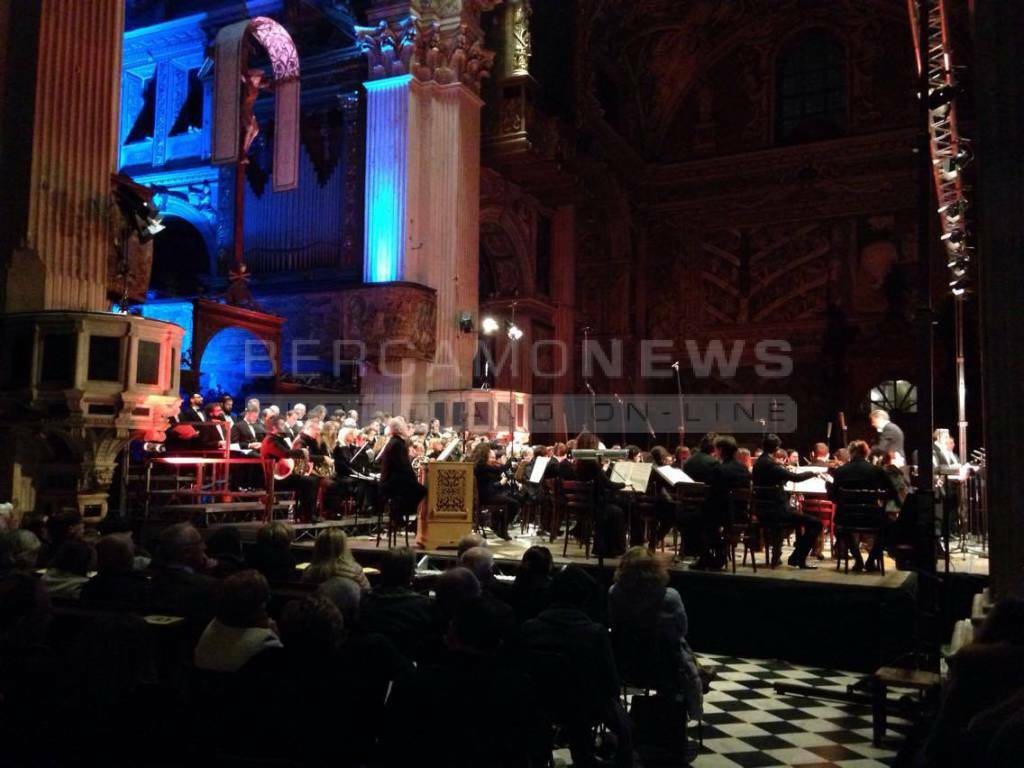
{"x":439,"y":41}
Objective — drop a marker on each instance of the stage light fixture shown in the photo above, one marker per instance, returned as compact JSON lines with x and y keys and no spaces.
{"x":489,"y":326}
{"x":950,"y":167}
{"x":943,"y":96}
{"x":959,"y":267}
{"x":515,"y":333}
{"x":465,"y":322}
{"x":958,"y":286}
{"x":954,"y":236}
{"x":955,"y":210}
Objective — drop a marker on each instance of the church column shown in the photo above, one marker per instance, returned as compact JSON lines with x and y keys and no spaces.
{"x":423,"y":165}
{"x":563,"y":291}
{"x":66,"y":238}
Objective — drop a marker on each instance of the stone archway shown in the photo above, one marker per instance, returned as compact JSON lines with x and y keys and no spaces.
{"x":232,"y":359}
{"x":506,"y":265}
{"x":240,"y":337}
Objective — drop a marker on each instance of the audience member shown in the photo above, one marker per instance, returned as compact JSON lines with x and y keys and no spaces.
{"x":530,"y":594}
{"x":116,"y":583}
{"x":180,"y":588}
{"x":19,"y":551}
{"x":333,"y":558}
{"x":272,"y":555}
{"x":224,"y":546}
{"x":70,"y":569}
{"x":394,"y":609}
{"x":241,"y":628}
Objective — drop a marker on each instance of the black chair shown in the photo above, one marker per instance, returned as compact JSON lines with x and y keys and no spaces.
{"x":740,"y":527}
{"x":764,"y":508}
{"x":482,"y":511}
{"x":691,"y":499}
{"x":550,"y":507}
{"x":858,"y":513}
{"x":578,"y":502}
{"x":390,"y":518}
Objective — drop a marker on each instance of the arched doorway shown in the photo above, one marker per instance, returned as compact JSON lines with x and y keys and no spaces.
{"x":180,"y":257}
{"x":232,"y":360}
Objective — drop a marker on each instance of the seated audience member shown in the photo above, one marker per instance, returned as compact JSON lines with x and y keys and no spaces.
{"x":224,"y":546}
{"x":649,"y":628}
{"x":469,"y":541}
{"x":394,"y":609}
{"x":982,"y":675}
{"x":478,"y":702}
{"x":19,"y":551}
{"x":116,"y":583}
{"x":333,"y":558}
{"x":579,"y":683}
{"x":272,"y":555}
{"x":530,"y":595}
{"x":180,"y":588}
{"x":481,"y":562}
{"x":29,"y":668}
{"x":241,"y":627}
{"x":70,"y":569}
{"x":60,"y":527}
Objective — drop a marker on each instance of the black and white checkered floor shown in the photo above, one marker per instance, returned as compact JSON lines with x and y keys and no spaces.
{"x":748,"y":725}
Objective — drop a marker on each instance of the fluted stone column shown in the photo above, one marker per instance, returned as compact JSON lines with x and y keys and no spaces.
{"x":65,"y":240}
{"x":423,"y":166}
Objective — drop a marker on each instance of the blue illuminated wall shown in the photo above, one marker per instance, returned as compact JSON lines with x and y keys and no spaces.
{"x":387,"y":172}
{"x":231,"y":360}
{"x":179,"y":313}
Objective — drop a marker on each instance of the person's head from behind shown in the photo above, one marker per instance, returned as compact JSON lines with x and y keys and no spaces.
{"x":820,"y":451}
{"x":331,"y":545}
{"x":475,"y":628}
{"x":1004,"y":623}
{"x":182,"y":545}
{"x":75,"y":557}
{"x":859,"y":450}
{"x":312,"y":628}
{"x":115,"y":554}
{"x":64,"y":525}
{"x":725,"y":447}
{"x":639,"y":568}
{"x":586,"y":441}
{"x":398,"y":567}
{"x":682,"y":454}
{"x":276,"y":535}
{"x":225,"y":542}
{"x":536,"y":563}
{"x":660,"y":456}
{"x":241,"y":600}
{"x":743,"y":457}
{"x":843,"y":456}
{"x":771,"y":443}
{"x":469,"y":541}
{"x":19,"y":550}
{"x":454,"y":587}
{"x":707,"y":443}
{"x":480,"y":561}
{"x":572,"y":586}
{"x":482,"y":454}
{"x":345,"y":594}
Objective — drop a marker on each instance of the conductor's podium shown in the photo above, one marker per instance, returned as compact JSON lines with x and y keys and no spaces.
{"x":447,"y":513}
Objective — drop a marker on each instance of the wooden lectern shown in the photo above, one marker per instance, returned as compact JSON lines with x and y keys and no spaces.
{"x":448,"y":512}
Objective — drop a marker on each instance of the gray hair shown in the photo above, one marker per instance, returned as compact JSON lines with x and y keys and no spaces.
{"x":19,"y":549}
{"x":480,"y":561}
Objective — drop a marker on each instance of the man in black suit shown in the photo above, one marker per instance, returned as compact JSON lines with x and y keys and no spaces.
{"x":724,"y":477}
{"x":194,"y":412}
{"x":703,"y":461}
{"x":213,"y":431}
{"x":890,"y":437}
{"x":769,"y":481}
{"x":860,"y":475}
{"x":397,"y":477}
{"x":180,"y":587}
{"x":246,"y":438}
{"x":275,"y":447}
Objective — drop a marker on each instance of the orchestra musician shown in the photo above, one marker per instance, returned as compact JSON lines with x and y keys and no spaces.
{"x":819,"y":456}
{"x":860,"y":474}
{"x":275,"y":446}
{"x":246,"y":437}
{"x":489,"y":473}
{"x":194,"y":412}
{"x":397,"y":477}
{"x":212,"y":433}
{"x":724,"y":476}
{"x":227,"y":402}
{"x":610,"y":540}
{"x":890,"y":436}
{"x":703,"y":461}
{"x":767,"y":474}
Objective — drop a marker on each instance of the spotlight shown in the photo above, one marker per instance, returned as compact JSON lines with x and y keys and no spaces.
{"x":515,"y":333}
{"x":955,"y":210}
{"x":489,"y":326}
{"x":951,"y":166}
{"x":135,"y":202}
{"x":943,"y":96}
{"x":958,"y":286}
{"x":954,"y":236}
{"x":958,"y":267}
{"x":465,"y":322}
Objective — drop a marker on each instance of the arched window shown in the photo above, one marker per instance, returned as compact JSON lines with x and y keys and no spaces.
{"x":810,"y":82}
{"x":895,"y":396}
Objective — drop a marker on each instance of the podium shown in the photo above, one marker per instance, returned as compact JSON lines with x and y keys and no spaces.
{"x":447,"y":513}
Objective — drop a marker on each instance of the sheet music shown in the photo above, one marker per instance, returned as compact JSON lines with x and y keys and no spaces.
{"x":635,"y":475}
{"x":674,"y":475}
{"x":537,"y":470}
{"x":814,"y":485}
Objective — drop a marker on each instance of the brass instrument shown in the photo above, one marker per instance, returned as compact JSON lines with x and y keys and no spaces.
{"x":285,"y":468}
